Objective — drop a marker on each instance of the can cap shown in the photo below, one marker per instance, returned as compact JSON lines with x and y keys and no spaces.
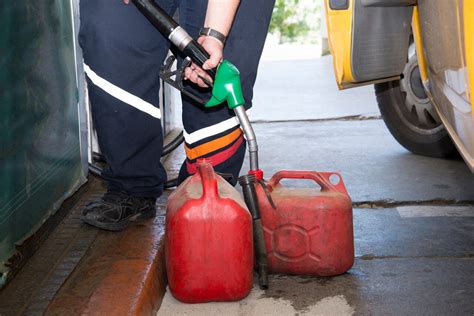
{"x":257,"y":173}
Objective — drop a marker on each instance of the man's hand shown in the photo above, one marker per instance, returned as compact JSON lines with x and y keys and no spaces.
{"x":219,"y":16}
{"x":126,"y":1}
{"x":215,"y":49}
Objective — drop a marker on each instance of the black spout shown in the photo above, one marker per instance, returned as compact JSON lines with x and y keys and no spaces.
{"x":250,"y":196}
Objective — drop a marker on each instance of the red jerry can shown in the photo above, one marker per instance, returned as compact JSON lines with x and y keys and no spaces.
{"x":310,"y":232}
{"x":208,"y":243}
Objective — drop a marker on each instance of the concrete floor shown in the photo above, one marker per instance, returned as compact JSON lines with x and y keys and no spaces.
{"x":414,"y":216}
{"x":408,"y":262}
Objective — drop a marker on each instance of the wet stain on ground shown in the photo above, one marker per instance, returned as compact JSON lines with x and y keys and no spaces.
{"x":373,"y":257}
{"x":303,"y":292}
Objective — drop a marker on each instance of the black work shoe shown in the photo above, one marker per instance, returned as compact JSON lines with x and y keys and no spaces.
{"x":117,"y":209}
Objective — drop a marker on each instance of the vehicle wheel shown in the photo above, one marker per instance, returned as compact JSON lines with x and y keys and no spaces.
{"x":410,"y":116}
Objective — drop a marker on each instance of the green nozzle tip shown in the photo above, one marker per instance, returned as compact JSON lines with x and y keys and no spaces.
{"x":227,"y":87}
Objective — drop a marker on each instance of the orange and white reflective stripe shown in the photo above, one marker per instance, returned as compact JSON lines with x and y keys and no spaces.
{"x":212,"y":130}
{"x":213,"y":145}
{"x":218,"y":158}
{"x":122,"y":95}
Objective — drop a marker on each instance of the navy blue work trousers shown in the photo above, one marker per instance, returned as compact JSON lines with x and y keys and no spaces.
{"x":123,"y":53}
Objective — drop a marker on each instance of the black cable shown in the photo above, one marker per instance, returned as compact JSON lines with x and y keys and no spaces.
{"x":95,"y":170}
{"x":167,"y":149}
{"x":173,"y":144}
{"x":171,"y":183}
{"x":98,"y":157}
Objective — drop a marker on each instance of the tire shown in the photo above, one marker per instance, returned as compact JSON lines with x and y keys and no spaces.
{"x":410,"y":117}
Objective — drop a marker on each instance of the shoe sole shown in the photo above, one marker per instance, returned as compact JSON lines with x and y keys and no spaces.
{"x":119,"y":225}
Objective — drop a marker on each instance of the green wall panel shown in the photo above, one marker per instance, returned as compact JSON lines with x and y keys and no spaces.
{"x":40,"y":162}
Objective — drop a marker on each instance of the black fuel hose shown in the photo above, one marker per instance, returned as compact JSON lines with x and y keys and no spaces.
{"x":157,"y":16}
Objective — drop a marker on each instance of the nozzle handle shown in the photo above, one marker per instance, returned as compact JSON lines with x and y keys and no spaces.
{"x":199,"y":56}
{"x":174,"y":32}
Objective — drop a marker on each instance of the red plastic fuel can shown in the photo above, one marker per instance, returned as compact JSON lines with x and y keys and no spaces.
{"x":310,"y":232}
{"x":208,"y":243}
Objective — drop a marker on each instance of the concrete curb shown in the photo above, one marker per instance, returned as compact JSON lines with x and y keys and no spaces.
{"x":122,"y":273}
{"x":133,"y":286}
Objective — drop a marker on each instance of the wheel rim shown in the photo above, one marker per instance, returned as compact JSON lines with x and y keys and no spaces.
{"x":418,"y":112}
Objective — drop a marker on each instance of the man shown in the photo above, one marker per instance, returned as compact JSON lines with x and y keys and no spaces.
{"x":123,"y":53}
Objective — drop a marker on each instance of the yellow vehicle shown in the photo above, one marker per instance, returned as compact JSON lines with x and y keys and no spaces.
{"x":420,"y":57}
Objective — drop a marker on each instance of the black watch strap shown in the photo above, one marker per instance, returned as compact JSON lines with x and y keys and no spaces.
{"x":207,"y":31}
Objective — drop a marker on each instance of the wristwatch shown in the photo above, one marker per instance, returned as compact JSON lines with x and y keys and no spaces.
{"x":207,"y":31}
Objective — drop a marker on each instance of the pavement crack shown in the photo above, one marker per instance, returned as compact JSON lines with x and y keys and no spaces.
{"x":392,"y":203}
{"x":369,"y":257}
{"x":329,"y":119}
